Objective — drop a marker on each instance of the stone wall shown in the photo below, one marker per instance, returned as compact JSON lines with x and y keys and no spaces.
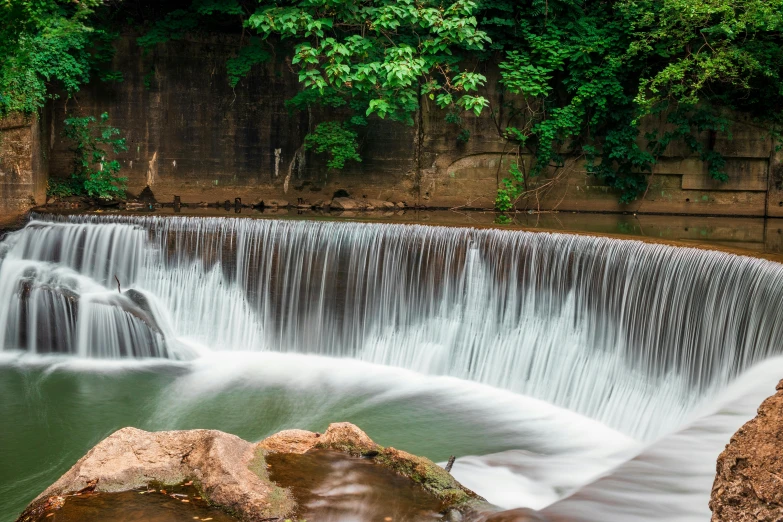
{"x":191,"y":135}
{"x":455,"y":174}
{"x":23,"y":164}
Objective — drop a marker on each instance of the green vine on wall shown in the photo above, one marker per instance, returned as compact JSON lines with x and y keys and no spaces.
{"x":50,"y":46}
{"x":591,"y":72}
{"x":94,"y":175}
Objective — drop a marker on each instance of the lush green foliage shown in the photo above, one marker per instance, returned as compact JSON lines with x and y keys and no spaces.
{"x":579,"y":76}
{"x":335,"y":139}
{"x":595,"y":69}
{"x":45,"y":44}
{"x":93,"y":175}
{"x":377,"y":57}
{"x":369,"y":57}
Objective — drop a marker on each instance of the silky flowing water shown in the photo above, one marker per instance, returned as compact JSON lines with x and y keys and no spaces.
{"x":591,"y":378}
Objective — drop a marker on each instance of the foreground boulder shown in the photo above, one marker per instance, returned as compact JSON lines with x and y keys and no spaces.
{"x":232,"y":473}
{"x":347,"y":438}
{"x":749,"y":481}
{"x":223,"y":467}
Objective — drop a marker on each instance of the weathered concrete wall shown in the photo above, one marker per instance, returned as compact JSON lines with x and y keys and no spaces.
{"x":191,"y":135}
{"x":457,"y":174}
{"x":23,"y":164}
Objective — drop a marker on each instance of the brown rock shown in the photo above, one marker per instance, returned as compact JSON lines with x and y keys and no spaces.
{"x":274,"y":203}
{"x":340,"y":436}
{"x":348,"y":438}
{"x":220,"y":464}
{"x":379,"y":204}
{"x":347,"y":204}
{"x":232,"y":473}
{"x":290,"y":441}
{"x":749,"y":481}
{"x":344,"y":436}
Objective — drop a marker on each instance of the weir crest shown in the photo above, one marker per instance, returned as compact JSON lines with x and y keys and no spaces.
{"x":631,"y":334}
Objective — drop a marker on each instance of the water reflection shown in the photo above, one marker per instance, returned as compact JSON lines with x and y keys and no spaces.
{"x":333,"y":487}
{"x":174,"y":504}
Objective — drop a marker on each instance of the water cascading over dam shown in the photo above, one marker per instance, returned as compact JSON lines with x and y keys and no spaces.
{"x":639,"y":337}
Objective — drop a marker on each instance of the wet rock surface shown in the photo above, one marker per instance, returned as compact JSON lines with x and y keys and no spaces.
{"x":749,"y":481}
{"x":221,"y":465}
{"x":338,"y":475}
{"x":348,"y":438}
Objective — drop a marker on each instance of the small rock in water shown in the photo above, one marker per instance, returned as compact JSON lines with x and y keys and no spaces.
{"x":454,"y":516}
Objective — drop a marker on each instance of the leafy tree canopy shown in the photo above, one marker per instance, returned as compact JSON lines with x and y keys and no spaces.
{"x":45,"y":42}
{"x":579,"y":75}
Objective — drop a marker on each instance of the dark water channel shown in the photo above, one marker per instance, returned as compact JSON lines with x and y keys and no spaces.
{"x":177,"y":504}
{"x":331,"y":487}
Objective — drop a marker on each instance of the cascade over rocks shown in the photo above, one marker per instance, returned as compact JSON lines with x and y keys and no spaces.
{"x":232,"y":473}
{"x":749,"y":481}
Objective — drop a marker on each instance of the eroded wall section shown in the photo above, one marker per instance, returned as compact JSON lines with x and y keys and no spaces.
{"x":23,"y":164}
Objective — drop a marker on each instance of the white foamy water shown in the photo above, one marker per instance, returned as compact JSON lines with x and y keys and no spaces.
{"x":610,"y":359}
{"x":671,"y":478}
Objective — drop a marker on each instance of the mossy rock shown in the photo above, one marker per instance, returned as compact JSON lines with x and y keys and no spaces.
{"x":430,"y":476}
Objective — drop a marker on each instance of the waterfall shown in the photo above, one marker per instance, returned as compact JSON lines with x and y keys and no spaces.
{"x":634,"y":335}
